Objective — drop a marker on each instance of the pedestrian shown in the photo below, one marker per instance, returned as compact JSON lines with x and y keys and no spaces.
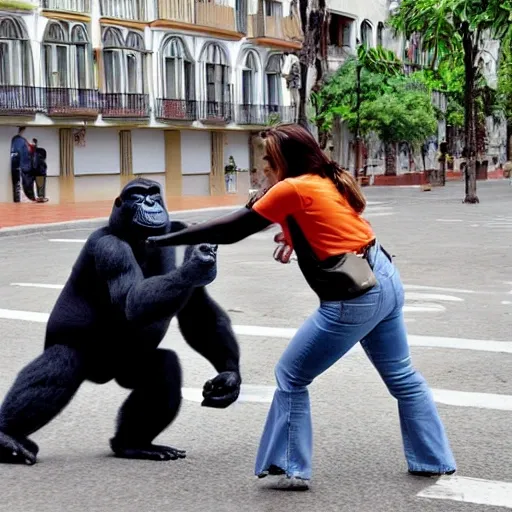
{"x":361,"y":297}
{"x":21,"y":167}
{"x":39,"y":171}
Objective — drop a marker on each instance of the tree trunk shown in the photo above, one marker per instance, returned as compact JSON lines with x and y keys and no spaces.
{"x":314,"y":50}
{"x":390,"y":159}
{"x":469,"y":115}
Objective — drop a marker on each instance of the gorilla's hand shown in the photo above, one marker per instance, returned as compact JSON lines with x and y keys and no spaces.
{"x":200,"y":264}
{"x":222,"y":391}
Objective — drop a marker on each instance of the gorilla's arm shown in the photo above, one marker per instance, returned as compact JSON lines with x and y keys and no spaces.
{"x":207,"y":328}
{"x":143,"y":299}
{"x":227,"y":229}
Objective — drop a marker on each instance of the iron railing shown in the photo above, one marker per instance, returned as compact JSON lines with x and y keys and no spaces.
{"x":124,"y":105}
{"x":21,"y":100}
{"x":263,"y":114}
{"x":71,"y":102}
{"x":175,"y":110}
{"x":78,"y":6}
{"x":215,"y":111}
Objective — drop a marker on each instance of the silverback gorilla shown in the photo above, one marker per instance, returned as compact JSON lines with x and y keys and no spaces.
{"x":107,"y":324}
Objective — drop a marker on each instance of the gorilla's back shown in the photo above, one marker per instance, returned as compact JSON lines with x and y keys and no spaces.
{"x":83,"y":311}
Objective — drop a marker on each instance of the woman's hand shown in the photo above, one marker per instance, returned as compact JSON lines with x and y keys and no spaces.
{"x":283,"y":251}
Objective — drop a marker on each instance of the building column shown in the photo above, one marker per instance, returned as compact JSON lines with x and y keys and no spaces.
{"x":67,"y":166}
{"x":125,"y":156}
{"x":217,"y":181}
{"x":173,"y":175}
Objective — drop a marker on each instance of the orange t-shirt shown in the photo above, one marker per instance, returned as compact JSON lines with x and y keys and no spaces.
{"x":328,"y":222}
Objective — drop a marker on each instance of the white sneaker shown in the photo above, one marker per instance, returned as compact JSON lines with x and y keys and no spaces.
{"x":284,"y":482}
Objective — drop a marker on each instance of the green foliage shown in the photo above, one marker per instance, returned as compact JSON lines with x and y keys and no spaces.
{"x":16,"y":5}
{"x":504,"y":92}
{"x":395,"y":107}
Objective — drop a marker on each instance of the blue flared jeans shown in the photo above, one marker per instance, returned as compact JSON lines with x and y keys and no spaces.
{"x":376,"y":321}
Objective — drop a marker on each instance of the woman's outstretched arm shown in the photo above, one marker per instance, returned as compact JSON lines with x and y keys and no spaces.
{"x":227,"y":229}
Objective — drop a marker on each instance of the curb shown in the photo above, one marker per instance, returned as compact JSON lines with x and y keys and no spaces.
{"x":28,"y":229}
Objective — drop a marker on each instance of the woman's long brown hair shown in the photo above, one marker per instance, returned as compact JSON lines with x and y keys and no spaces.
{"x":293,"y":151}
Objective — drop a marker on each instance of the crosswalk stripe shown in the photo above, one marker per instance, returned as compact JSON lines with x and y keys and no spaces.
{"x":470,"y":490}
{"x":470,"y":399}
{"x":289,"y":332}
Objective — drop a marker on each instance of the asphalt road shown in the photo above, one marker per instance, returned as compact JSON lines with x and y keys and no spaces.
{"x":455,"y":260}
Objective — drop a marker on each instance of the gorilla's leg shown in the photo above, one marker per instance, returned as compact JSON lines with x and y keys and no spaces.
{"x":150,"y":408}
{"x":39,"y":393}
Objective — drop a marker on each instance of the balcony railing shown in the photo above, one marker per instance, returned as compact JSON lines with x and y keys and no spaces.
{"x":210,"y":14}
{"x":78,"y":6}
{"x":18,"y":100}
{"x":177,"y":10}
{"x":176,"y":110}
{"x":262,"y":114}
{"x":286,"y":28}
{"x":215,"y":112}
{"x":126,"y":10}
{"x":124,"y":105}
{"x":71,"y":102}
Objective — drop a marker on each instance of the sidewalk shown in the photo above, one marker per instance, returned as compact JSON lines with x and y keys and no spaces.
{"x":26,"y":214}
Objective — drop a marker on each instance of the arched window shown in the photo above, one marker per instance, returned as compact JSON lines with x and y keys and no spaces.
{"x":273,"y":80}
{"x":67,"y":56}
{"x":124,"y":61}
{"x":380,"y":34}
{"x":249,"y":78}
{"x":366,"y":34}
{"x":15,"y":54}
{"x":124,"y":9}
{"x":178,"y":70}
{"x":216,"y":72}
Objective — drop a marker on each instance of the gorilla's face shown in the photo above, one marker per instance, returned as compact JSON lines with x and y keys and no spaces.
{"x":139,"y":211}
{"x":148,"y":209}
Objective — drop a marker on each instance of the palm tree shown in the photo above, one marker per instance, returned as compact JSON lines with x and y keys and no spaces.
{"x":450,"y":28}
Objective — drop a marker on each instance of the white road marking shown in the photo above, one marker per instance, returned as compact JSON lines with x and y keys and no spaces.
{"x":287,"y":333}
{"x":470,"y":490}
{"x":264,"y":394}
{"x":437,"y":288}
{"x":432,"y":296}
{"x":424,"y":308}
{"x":506,"y":302}
{"x":248,"y":394}
{"x":68,"y":240}
{"x":450,"y":220}
{"x":470,"y":399}
{"x":39,"y":285}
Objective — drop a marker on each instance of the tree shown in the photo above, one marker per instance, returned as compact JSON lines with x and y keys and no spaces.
{"x":451,"y":28}
{"x":395,"y":107}
{"x":504,"y":93}
{"x":314,"y":22}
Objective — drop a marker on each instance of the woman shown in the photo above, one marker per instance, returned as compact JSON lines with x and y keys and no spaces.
{"x":319,"y":207}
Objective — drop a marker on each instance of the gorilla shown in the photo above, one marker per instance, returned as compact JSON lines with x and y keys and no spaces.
{"x":107,"y":324}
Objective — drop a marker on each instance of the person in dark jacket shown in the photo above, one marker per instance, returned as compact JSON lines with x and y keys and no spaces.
{"x":21,"y":167}
{"x":39,"y":171}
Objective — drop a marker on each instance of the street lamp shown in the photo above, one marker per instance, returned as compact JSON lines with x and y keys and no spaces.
{"x":394,"y":6}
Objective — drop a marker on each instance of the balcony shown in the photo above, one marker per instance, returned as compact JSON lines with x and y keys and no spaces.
{"x":275,"y":29}
{"x":76,"y":6}
{"x":18,"y":100}
{"x":124,"y":106}
{"x":211,"y":14}
{"x":221,"y":18}
{"x":262,"y":114}
{"x":130,"y":10}
{"x":63,"y":102}
{"x":215,"y":112}
{"x":175,"y":110}
{"x":177,"y":10}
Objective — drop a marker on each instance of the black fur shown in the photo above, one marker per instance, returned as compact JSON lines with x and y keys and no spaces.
{"x":108,"y":323}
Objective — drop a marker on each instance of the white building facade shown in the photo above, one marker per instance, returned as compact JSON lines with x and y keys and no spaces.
{"x":168,"y":89}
